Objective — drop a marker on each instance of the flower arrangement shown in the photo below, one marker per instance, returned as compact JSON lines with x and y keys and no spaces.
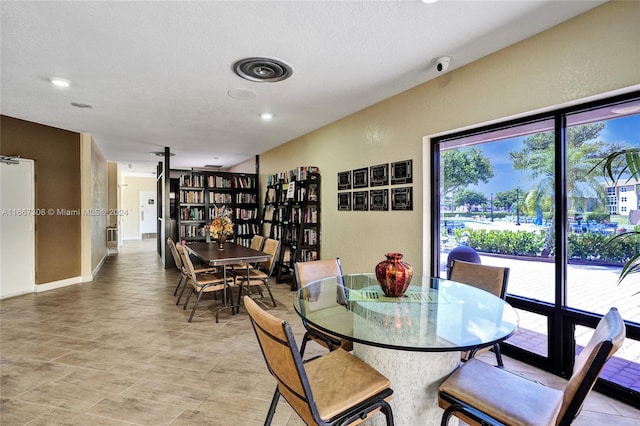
{"x":221,"y":225}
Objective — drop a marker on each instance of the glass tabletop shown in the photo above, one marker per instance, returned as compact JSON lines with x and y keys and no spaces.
{"x":433,"y":315}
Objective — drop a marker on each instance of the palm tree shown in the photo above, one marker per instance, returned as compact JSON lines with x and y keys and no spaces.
{"x":617,"y":166}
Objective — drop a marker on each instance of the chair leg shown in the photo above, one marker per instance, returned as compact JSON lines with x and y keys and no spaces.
{"x":193,"y":311}
{"x":272,"y":407}
{"x":270,"y":294}
{"x":496,"y":349}
{"x":178,"y":286}
{"x":303,"y":346}
{"x":184,"y":287}
{"x":186,"y":302}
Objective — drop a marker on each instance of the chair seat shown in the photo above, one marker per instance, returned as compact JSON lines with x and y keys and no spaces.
{"x":207,"y":282}
{"x":339,"y":381}
{"x":517,"y":401}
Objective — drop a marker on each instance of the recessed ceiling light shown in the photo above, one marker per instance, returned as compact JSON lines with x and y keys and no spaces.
{"x":161,"y":153}
{"x":266,"y":116}
{"x":60,"y":82}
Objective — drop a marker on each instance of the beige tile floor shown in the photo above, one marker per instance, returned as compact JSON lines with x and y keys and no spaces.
{"x":118,"y":351}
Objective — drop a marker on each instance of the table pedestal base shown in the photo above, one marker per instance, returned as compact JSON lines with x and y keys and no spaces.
{"x":415,"y":378}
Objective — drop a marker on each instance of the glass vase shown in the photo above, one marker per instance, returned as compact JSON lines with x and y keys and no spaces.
{"x":394,"y":275}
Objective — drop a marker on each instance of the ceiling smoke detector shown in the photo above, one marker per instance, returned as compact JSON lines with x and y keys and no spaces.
{"x":262,"y":69}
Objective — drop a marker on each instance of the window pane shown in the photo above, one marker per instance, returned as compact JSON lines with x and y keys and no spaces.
{"x":496,"y":197}
{"x":531,"y":334}
{"x":598,"y":209}
{"x":623,"y":368}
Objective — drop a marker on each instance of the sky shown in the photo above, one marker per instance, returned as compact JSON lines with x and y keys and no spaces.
{"x":625,"y":131}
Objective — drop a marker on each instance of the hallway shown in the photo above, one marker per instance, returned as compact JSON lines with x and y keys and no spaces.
{"x":118,"y":351}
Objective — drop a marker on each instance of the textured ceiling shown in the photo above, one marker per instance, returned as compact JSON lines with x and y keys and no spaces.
{"x":159,"y":73}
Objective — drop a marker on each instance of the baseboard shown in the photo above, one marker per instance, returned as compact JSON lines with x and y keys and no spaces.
{"x":58,"y":284}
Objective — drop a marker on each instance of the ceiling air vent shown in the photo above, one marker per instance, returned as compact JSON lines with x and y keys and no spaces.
{"x":262,"y":69}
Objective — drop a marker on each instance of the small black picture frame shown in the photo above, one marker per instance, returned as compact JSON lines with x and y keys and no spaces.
{"x":361,"y":178}
{"x":344,"y":201}
{"x":402,"y":172}
{"x":402,"y":198}
{"x":379,"y":175}
{"x":344,"y":180}
{"x":379,"y":200}
{"x":360,"y":200}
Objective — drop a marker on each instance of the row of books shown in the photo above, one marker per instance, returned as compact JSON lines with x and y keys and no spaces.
{"x":191,"y":213}
{"x":299,"y":173}
{"x":192,"y":197}
{"x":219,"y":198}
{"x":309,"y":237}
{"x":246,"y":214}
{"x":192,"y":231}
{"x":308,"y":255}
{"x":191,"y":181}
{"x":247,"y":229}
{"x":219,"y":182}
{"x":244,"y":182}
{"x":246,"y":198}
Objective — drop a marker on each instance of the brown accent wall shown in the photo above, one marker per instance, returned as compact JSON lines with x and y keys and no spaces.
{"x":57,"y":170}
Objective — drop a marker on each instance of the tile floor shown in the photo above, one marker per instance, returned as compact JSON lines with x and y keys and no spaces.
{"x":118,"y":351}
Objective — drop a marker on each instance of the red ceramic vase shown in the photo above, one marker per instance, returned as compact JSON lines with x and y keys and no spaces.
{"x":394,"y":275}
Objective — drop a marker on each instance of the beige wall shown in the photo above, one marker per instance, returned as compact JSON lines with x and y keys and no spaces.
{"x":99,"y":206}
{"x":588,"y":56}
{"x":130,"y":199}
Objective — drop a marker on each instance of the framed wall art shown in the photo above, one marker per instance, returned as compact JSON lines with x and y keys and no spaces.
{"x":344,"y":201}
{"x":402,"y":198}
{"x":402,"y":172}
{"x":379,"y":175}
{"x":379,"y":199}
{"x":360,"y":200}
{"x":344,"y":180}
{"x":361,"y":178}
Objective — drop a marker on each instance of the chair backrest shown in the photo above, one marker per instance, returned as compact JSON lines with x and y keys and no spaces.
{"x":174,"y":253}
{"x":314,"y":270}
{"x":271,"y":246}
{"x":492,"y":279}
{"x":184,"y":252}
{"x":464,"y":253}
{"x":257,"y":242}
{"x":284,"y":362}
{"x":605,"y":341}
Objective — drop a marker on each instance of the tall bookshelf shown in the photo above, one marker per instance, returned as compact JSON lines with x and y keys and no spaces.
{"x":291,"y":214}
{"x":200,"y":194}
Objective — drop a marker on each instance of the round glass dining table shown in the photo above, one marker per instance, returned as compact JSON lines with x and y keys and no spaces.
{"x":414,"y":340}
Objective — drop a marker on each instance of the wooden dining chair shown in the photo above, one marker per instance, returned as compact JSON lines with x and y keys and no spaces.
{"x":307,"y":272}
{"x":470,"y":392}
{"x":207,"y":283}
{"x":493,"y":279}
{"x":261,"y":273}
{"x":332,"y":389}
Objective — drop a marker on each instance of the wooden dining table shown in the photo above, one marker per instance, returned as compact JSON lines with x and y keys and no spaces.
{"x":232,"y":254}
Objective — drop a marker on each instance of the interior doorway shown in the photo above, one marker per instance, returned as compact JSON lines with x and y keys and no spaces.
{"x":148,"y":214}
